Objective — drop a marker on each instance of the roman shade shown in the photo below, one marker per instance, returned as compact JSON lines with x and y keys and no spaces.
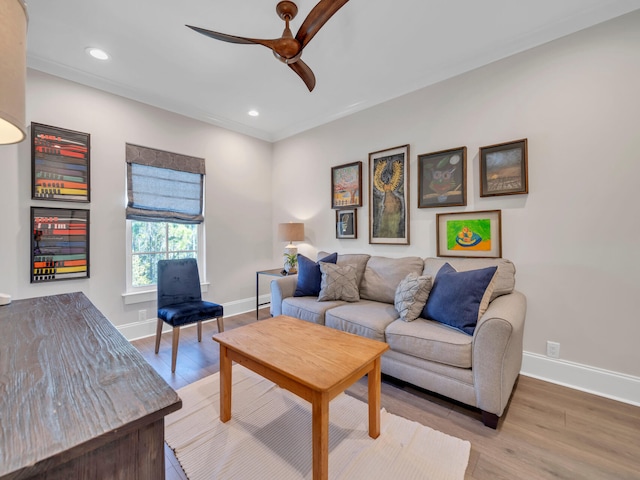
{"x":164,"y":186}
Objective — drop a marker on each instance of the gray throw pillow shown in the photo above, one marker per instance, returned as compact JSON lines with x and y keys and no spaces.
{"x":339,"y":282}
{"x":411,"y":296}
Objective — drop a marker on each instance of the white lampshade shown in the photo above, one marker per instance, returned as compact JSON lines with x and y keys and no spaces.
{"x":13,"y":70}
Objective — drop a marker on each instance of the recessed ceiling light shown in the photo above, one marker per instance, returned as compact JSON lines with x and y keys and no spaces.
{"x":253,"y":113}
{"x":97,"y":53}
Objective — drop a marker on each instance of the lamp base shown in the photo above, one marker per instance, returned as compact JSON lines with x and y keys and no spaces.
{"x":291,"y":249}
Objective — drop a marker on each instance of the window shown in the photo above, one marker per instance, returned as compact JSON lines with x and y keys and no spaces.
{"x":165,"y":193}
{"x":153,"y":241}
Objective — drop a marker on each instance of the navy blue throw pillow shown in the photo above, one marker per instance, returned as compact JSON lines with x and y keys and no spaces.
{"x":310,"y":276}
{"x":459,"y":299}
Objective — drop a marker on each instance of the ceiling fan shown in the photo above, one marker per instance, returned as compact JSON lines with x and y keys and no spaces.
{"x":288,"y":48}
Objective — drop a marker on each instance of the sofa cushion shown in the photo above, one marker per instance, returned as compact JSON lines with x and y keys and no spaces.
{"x":308,"y":308}
{"x":338,"y":283}
{"x":505,"y":278}
{"x":459,"y":299}
{"x":365,"y":318}
{"x":430,"y":340}
{"x":411,"y":296}
{"x":309,"y":275}
{"x":358,"y":260}
{"x":382,"y":276}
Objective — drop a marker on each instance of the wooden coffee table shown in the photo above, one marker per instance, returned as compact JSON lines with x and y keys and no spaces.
{"x":312,"y":361}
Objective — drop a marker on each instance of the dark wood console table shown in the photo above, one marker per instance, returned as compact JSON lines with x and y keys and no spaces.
{"x":77,"y":400}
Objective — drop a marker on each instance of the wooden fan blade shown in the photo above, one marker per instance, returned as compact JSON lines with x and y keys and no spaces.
{"x":233,"y":39}
{"x":317,"y":17}
{"x":305,"y":73}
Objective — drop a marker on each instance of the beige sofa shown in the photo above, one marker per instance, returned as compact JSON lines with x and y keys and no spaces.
{"x":479,"y":370}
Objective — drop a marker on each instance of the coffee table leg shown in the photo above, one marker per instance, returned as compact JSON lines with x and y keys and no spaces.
{"x":374,"y":384}
{"x":320,"y":434}
{"x":225,"y":385}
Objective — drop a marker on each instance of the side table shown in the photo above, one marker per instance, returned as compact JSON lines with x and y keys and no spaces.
{"x":274,"y":272}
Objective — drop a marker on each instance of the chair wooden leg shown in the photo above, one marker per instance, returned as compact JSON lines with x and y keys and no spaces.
{"x":220,"y":321}
{"x":158,"y":334}
{"x":174,"y":348}
{"x":200,"y":331}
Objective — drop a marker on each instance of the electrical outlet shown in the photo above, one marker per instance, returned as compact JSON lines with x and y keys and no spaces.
{"x":142,"y":315}
{"x":553,"y":349}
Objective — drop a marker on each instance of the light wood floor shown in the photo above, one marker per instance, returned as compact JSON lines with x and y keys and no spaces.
{"x":548,"y":431}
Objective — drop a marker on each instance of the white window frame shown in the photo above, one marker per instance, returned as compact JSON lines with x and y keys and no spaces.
{"x":149,"y":293}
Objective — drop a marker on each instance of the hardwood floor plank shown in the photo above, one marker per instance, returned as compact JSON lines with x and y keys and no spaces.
{"x":548,"y":431}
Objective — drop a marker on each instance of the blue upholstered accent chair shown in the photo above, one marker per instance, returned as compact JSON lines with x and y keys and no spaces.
{"x":180,"y":301}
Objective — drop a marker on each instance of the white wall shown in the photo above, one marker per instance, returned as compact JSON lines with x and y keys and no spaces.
{"x":238,"y":198}
{"x":575,"y":238}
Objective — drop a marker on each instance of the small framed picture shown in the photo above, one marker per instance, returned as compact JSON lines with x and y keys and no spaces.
{"x":346,"y":185}
{"x":347,"y":223}
{"x":503,"y":169}
{"x":442,"y":178}
{"x":469,"y":234}
{"x":59,"y":244}
{"x":389,"y":196}
{"x":60,"y":164}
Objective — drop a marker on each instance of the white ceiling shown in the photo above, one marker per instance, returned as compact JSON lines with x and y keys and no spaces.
{"x":369,"y":52}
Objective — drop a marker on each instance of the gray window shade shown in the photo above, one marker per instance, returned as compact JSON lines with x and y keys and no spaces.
{"x":163,"y":186}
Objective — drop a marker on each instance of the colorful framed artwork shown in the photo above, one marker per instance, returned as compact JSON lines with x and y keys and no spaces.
{"x":469,"y":234}
{"x":389,"y":196}
{"x":60,"y":244}
{"x":503,"y":169}
{"x":60,"y":164}
{"x":346,"y":185}
{"x":442,"y":178}
{"x":347,"y":223}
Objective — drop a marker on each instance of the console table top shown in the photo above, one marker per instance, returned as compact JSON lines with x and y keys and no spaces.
{"x":69,"y":381}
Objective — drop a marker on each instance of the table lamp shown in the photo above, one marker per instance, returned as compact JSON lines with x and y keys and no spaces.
{"x":13,"y":70}
{"x":291,"y":232}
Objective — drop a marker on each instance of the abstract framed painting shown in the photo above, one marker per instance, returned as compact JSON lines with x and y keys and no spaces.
{"x":442,"y":178}
{"x":503,"y":169}
{"x":347,"y":223}
{"x":346,"y":185}
{"x":59,"y":244}
{"x":469,"y":234}
{"x":60,"y":164}
{"x":389,"y":196}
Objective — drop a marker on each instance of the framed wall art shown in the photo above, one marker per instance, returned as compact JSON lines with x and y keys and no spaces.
{"x":442,"y":178}
{"x":503,"y":169}
{"x":59,"y":164}
{"x":389,"y":196}
{"x":347,"y":223}
{"x":346,"y":185}
{"x":60,"y":244}
{"x":469,"y":234}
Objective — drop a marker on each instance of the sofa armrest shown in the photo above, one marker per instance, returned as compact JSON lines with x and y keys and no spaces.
{"x":497,"y":351}
{"x":281,"y":288}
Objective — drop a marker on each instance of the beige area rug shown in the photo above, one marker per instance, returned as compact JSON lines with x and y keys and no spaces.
{"x":269,"y":437}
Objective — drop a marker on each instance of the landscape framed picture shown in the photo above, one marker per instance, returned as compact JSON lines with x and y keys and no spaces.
{"x":389,"y":196}
{"x":60,"y":164}
{"x":442,"y":178}
{"x":503,"y":169}
{"x":346,"y":185}
{"x":469,"y":234}
{"x":59,"y":244}
{"x":347,"y":223}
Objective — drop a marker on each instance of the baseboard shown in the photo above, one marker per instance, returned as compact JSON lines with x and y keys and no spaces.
{"x":146,"y":328}
{"x":604,"y":383}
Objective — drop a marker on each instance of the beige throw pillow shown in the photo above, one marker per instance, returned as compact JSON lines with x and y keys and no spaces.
{"x":411,"y":296}
{"x":339,"y":282}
